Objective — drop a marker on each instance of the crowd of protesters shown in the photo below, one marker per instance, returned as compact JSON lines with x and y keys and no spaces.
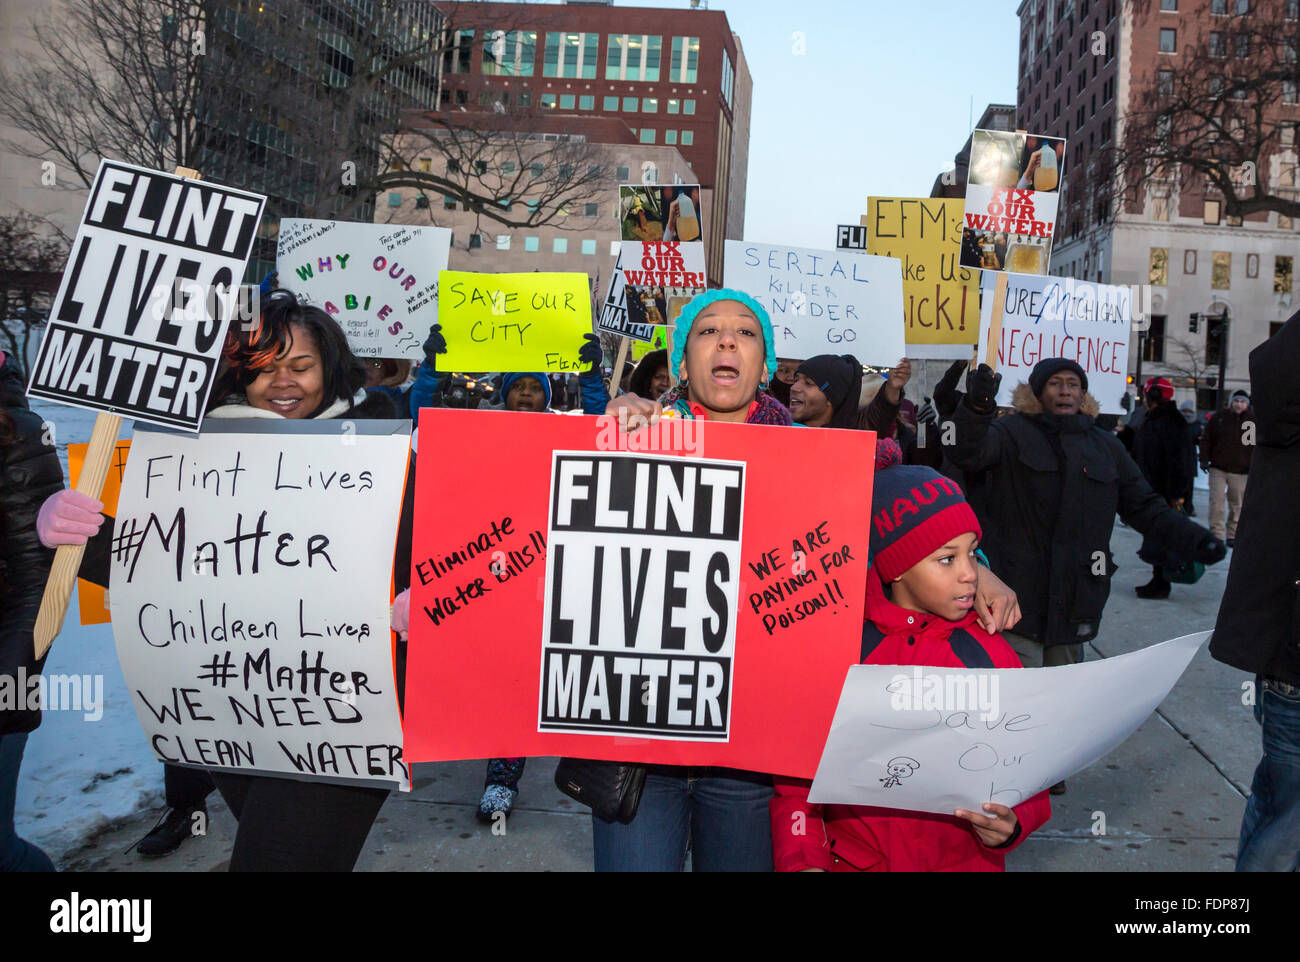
{"x":1009,"y":566}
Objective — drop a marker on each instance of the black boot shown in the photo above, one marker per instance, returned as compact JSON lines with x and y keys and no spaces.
{"x":173,"y":828}
{"x":1157,"y":587}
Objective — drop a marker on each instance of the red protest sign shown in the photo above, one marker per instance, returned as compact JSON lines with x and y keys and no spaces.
{"x":690,"y":594}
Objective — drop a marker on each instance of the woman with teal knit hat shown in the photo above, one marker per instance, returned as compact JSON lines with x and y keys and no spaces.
{"x":724,"y":357}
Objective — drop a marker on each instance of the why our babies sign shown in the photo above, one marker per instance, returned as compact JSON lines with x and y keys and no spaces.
{"x":823,"y":302}
{"x":513,"y":322}
{"x":1059,"y":317}
{"x":379,"y":281}
{"x":656,"y":597}
{"x":152,"y":282}
{"x":251,"y":574}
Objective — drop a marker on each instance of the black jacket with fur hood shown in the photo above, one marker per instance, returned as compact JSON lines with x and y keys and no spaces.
{"x":1053,"y":488}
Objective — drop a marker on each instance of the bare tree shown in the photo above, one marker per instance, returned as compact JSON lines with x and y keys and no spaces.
{"x":1185,"y":357}
{"x":31,"y":260}
{"x":1216,"y":114}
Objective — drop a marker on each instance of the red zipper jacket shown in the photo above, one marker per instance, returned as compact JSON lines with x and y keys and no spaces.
{"x":853,"y":838}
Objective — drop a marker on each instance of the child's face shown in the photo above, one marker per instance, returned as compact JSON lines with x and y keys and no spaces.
{"x":943,"y":583}
{"x":526,"y":395}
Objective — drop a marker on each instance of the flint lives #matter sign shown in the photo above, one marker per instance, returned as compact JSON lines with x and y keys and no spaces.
{"x":643,"y":581}
{"x":151,"y":283}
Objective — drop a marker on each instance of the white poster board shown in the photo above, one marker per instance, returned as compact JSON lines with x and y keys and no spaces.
{"x":379,"y":281}
{"x":250,"y":596}
{"x":939,"y":739}
{"x":151,"y":283}
{"x":1060,"y":317}
{"x":823,"y":302}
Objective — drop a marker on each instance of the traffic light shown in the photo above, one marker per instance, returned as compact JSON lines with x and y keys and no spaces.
{"x":1193,"y":323}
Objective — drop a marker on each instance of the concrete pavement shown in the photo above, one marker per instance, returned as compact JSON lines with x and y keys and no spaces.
{"x":1170,"y":798}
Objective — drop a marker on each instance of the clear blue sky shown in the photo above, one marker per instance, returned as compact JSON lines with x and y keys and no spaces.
{"x":878,"y":103}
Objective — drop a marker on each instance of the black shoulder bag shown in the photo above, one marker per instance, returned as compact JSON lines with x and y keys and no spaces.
{"x":611,"y":790}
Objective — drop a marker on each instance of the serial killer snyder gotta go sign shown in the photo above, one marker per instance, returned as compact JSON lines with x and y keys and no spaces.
{"x":656,"y":597}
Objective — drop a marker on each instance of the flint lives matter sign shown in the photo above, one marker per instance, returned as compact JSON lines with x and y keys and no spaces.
{"x":150,"y":285}
{"x":642,"y":587}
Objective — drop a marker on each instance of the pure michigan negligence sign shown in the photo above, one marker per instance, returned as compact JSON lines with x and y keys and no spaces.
{"x":150,"y":285}
{"x":664,"y":535}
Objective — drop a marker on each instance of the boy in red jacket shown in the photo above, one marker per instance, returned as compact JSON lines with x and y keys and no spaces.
{"x":920,"y":611}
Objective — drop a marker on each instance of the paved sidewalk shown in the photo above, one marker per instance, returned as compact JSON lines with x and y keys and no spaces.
{"x":1171,"y":797}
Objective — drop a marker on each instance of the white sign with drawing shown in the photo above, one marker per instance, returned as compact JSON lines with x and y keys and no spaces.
{"x":938,"y":739}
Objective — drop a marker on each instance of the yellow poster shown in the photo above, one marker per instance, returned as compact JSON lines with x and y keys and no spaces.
{"x":513,"y":322}
{"x":941,"y":301}
{"x":92,"y":598}
{"x":641,"y":348}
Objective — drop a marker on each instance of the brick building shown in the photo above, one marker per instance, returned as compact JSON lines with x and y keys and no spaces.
{"x":1084,"y":67}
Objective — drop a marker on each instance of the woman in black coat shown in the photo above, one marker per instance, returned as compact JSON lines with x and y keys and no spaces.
{"x":29,"y":473}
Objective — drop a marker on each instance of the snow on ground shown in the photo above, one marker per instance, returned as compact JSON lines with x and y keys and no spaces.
{"x":80,"y":775}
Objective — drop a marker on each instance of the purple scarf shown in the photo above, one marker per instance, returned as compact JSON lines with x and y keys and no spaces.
{"x":768,"y":410}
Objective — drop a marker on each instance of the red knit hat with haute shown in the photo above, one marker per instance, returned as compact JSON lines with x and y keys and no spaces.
{"x":914,"y":512}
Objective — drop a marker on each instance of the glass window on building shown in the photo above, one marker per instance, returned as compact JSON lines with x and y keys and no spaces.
{"x":633,"y":57}
{"x":1168,"y":40}
{"x":630,"y":104}
{"x":1158,"y":272}
{"x":589,"y":246}
{"x":728,"y":78}
{"x":649,"y":105}
{"x":647,"y":135}
{"x":685,"y":60}
{"x":509,"y":53}
{"x":1219,"y":7}
{"x":590,"y":210}
{"x":508,"y":167}
{"x":560,"y":245}
{"x":615,"y":49}
{"x":394,"y":198}
{"x":571,"y":55}
{"x":674,"y":106}
{"x":1221,"y":275}
{"x":531,"y":245}
{"x":1153,"y":345}
{"x":525,"y":98}
{"x":670,"y":136}
{"x":622,"y":175}
{"x":550,"y":100}
{"x":422,"y":202}
{"x":568,"y":101}
{"x":475,"y":241}
{"x":503,"y":242}
{"x":587,"y":102}
{"x":532,"y":205}
{"x":688,"y":106}
{"x":1170,"y":5}
{"x":688,"y":138}
{"x":1282,"y":273}
{"x":448,"y":202}
{"x":426,"y":164}
{"x":459,"y":53}
{"x":1212,"y":212}
{"x":551,"y":56}
{"x":535,"y":169}
{"x":611,"y":103}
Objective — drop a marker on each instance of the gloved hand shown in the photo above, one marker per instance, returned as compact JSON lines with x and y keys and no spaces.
{"x":945,"y":392}
{"x":926,"y":413}
{"x":401,"y":619}
{"x":591,"y":354}
{"x":434,"y":345}
{"x":982,"y":389}
{"x":68,"y":517}
{"x":1210,"y":551}
{"x":269,"y":283}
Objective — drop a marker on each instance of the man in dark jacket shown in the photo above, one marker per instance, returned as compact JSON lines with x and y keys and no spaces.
{"x":825,"y":391}
{"x":29,"y":473}
{"x":1226,"y":446}
{"x":1163,"y":450}
{"x":1258,"y":628}
{"x":1055,"y":483}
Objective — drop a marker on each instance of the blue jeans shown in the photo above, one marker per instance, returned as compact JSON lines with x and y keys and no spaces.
{"x":1270,"y":829}
{"x":721,"y":812}
{"x":16,"y":855}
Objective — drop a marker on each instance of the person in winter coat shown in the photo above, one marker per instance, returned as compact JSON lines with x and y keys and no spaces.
{"x":1226,"y":446}
{"x":724,"y":357}
{"x":650,"y":379}
{"x":883,"y":412}
{"x":295,"y":363}
{"x":29,"y":473}
{"x":825,"y":391}
{"x":1258,"y":628}
{"x":1055,"y":483}
{"x":919,"y":611}
{"x":1163,"y":449}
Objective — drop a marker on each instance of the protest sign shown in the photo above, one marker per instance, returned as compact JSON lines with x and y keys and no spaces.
{"x":851,"y":237}
{"x":92,"y":599}
{"x":661,"y":212}
{"x":513,"y":322}
{"x":379,"y":281}
{"x":940,"y":297}
{"x":660,"y":277}
{"x":1011,"y":198}
{"x":657,"y":343}
{"x":1058,"y":317}
{"x":613,"y":312}
{"x":939,"y":739}
{"x":151,"y":283}
{"x":658,"y":597}
{"x":251,"y":584}
{"x":823,"y":302}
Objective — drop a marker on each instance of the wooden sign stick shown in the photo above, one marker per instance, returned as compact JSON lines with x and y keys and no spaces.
{"x":67,"y":557}
{"x":624,"y":342}
{"x":668,"y":342}
{"x":995,"y":322}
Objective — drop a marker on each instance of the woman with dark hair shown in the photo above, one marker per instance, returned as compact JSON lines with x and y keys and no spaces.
{"x":29,"y":472}
{"x":294,"y":363}
{"x":650,"y":379}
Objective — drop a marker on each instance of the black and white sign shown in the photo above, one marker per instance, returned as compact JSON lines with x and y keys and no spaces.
{"x":642,"y":587}
{"x":151,"y":283}
{"x":851,"y":237}
{"x":613,"y":313}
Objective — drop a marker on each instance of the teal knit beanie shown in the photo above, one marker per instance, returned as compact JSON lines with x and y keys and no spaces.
{"x":686,"y":320}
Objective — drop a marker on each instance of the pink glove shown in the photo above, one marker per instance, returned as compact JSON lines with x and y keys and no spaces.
{"x":401,"y":619}
{"x":68,"y":517}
